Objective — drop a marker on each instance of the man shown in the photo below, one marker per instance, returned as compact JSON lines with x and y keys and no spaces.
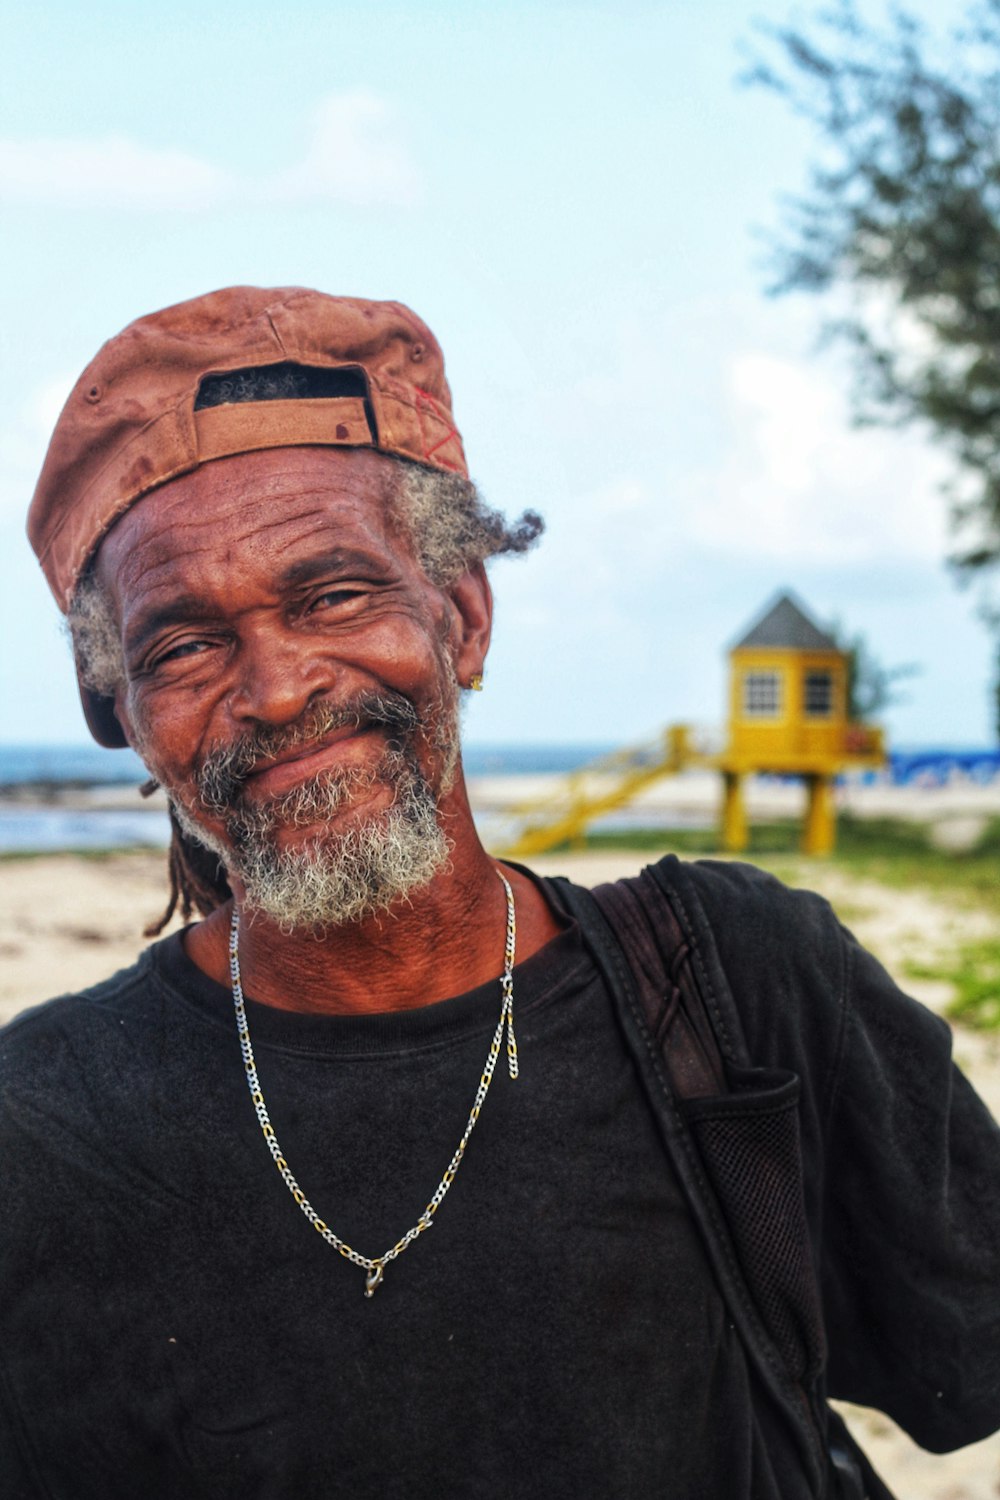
{"x":256,"y":512}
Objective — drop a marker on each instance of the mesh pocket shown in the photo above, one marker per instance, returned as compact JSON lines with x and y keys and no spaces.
{"x":750,"y":1151}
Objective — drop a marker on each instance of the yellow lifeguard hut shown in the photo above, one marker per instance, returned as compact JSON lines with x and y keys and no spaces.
{"x":789,"y":714}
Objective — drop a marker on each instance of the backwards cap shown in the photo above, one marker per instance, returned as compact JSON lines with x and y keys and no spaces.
{"x":161,"y":399}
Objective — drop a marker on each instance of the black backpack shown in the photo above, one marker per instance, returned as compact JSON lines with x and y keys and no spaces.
{"x":731,"y":1132}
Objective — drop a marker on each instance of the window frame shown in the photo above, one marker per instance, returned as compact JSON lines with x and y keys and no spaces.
{"x":754,"y":679}
{"x":809,"y":678}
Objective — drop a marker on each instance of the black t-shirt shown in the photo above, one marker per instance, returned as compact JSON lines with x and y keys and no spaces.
{"x":171,"y":1325}
{"x":175,"y":1326}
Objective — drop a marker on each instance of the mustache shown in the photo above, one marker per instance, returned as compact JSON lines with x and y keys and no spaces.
{"x":225,"y":769}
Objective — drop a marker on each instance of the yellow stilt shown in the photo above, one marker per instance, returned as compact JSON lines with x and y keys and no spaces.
{"x":819,"y":833}
{"x":734,"y":817}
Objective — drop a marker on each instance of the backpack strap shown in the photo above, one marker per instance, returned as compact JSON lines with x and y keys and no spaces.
{"x":648,"y":957}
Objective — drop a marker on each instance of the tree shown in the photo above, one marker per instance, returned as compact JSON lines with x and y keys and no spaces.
{"x":872,"y":687}
{"x":901,"y":217}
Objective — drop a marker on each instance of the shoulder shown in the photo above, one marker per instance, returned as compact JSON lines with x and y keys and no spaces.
{"x":746,"y":906}
{"x":752,"y":921}
{"x":741,"y":924}
{"x":72,"y":1031}
{"x":75,"y":1083}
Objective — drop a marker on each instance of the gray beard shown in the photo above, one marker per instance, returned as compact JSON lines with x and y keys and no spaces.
{"x":332,"y":877}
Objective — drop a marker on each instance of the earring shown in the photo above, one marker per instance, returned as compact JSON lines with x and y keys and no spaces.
{"x":476,"y":682}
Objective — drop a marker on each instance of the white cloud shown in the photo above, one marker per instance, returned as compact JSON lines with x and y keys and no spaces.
{"x":743,"y":445}
{"x":774,"y":481}
{"x":800,"y":483}
{"x":352,"y":155}
{"x":112,"y":172}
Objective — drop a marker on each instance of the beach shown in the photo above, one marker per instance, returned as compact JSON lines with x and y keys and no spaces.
{"x":68,"y":920}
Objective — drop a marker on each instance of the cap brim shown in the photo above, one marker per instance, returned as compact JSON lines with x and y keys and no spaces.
{"x":102,"y":721}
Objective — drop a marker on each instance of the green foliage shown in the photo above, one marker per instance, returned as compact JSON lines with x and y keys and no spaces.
{"x":902,"y":213}
{"x":895,"y":852}
{"x":96,"y":856}
{"x":974,"y":975}
{"x":872,"y":687}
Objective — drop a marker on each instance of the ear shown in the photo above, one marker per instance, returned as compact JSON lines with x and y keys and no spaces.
{"x":102,"y":719}
{"x":124,"y":718}
{"x":119,"y":710}
{"x":471,"y":600}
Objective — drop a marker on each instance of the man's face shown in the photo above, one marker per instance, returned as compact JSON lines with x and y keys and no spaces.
{"x":291,"y":673}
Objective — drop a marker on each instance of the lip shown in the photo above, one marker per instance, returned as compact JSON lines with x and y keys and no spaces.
{"x":282,"y":772}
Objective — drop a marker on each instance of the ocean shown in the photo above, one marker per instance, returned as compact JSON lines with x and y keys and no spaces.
{"x":33,"y":777}
{"x":35,"y":781}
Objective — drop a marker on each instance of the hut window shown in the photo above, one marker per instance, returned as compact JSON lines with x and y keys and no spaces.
{"x":819,"y":695}
{"x":762,"y":695}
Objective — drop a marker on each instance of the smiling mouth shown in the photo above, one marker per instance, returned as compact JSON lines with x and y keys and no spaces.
{"x":270,"y":762}
{"x":273,"y":776}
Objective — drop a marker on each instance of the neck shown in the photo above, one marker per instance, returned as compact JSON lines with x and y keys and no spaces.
{"x":445,"y":939}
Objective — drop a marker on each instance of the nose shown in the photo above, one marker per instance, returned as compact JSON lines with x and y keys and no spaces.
{"x":278,"y":675}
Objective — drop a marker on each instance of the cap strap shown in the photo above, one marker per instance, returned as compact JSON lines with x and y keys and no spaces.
{"x":247,"y":425}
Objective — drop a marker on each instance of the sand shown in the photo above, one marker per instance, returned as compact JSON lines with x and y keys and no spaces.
{"x":66,"y":922}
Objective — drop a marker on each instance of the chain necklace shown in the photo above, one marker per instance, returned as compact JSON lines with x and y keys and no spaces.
{"x":374,"y":1266}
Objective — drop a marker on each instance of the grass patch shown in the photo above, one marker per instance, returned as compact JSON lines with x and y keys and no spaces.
{"x":765,"y":838}
{"x":974,"y":975}
{"x":901,"y":854}
{"x":98,"y":856}
{"x":891,"y":851}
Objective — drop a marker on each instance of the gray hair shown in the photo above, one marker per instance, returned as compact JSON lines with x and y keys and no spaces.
{"x":448,"y":524}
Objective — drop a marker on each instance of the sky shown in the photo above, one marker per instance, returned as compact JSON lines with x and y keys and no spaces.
{"x":573,"y":196}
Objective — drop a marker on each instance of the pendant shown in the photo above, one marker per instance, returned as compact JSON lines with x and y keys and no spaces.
{"x":373,"y":1279}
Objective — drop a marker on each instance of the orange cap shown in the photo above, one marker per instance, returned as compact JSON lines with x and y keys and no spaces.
{"x":134,"y":421}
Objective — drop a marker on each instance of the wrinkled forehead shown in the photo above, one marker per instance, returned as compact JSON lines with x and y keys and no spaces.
{"x":275,"y":503}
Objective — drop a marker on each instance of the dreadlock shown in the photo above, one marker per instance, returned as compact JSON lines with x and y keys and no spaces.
{"x":197,"y":879}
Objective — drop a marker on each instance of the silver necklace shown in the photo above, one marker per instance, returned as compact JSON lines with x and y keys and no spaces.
{"x":374,"y":1266}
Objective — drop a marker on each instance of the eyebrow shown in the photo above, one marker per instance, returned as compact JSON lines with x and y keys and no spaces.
{"x":338,"y":559}
{"x":181,"y":608}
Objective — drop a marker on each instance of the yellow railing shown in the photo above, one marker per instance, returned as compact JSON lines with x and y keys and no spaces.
{"x":578,"y":798}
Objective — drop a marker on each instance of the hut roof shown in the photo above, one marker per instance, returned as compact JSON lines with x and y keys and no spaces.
{"x":785,"y":624}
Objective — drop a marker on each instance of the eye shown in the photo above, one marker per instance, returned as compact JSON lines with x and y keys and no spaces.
{"x":334,"y":598}
{"x":188,"y":648}
{"x":179,"y":652}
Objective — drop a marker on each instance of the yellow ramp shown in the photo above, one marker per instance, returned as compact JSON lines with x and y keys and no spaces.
{"x":577,"y":799}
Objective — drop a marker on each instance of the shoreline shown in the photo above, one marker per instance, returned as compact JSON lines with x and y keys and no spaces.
{"x":508,"y":789}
